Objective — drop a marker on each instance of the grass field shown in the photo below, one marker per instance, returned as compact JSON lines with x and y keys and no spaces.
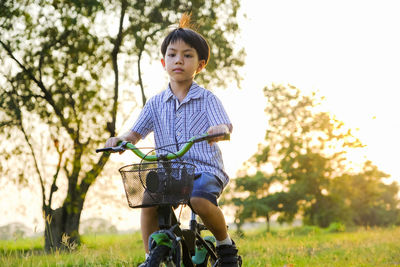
{"x":305,"y":246}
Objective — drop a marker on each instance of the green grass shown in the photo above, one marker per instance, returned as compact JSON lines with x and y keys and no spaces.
{"x":95,"y":250}
{"x":305,"y":246}
{"x":377,"y":247}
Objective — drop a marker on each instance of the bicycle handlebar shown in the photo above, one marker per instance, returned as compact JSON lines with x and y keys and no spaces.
{"x":124,"y":145}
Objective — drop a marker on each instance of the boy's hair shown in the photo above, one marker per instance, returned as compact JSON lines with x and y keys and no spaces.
{"x":189,"y":36}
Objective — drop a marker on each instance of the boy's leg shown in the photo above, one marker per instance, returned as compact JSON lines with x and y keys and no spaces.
{"x":206,"y":190}
{"x":148,"y":224}
{"x":214,"y":219}
{"x":211,"y":215}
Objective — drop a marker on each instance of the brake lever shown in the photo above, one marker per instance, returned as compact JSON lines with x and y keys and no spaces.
{"x":121,"y":147}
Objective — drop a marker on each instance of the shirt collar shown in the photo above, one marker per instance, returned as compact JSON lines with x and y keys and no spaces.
{"x":194,"y":92}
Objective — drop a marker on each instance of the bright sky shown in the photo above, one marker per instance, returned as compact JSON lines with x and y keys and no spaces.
{"x":346,"y":50}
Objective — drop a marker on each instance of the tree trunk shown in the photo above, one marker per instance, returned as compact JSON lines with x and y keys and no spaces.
{"x":268,"y":223}
{"x":53,"y":229}
{"x":62,"y":228}
{"x":239,"y":231}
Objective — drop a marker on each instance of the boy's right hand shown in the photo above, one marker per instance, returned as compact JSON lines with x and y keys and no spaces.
{"x":221,"y":128}
{"x":113,"y":141}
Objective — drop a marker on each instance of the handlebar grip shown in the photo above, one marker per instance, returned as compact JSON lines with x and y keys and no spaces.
{"x":106,"y":149}
{"x":226,"y":136}
{"x":119,"y":148}
{"x":204,"y":137}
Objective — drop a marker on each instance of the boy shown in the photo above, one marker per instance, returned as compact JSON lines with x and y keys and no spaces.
{"x":181,"y":111}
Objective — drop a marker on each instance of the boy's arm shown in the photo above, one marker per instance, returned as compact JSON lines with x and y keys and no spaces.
{"x":130,"y":136}
{"x":217,"y":117}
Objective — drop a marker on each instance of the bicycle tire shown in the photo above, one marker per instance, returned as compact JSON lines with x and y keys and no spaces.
{"x":208,"y":261}
{"x":157,"y":257}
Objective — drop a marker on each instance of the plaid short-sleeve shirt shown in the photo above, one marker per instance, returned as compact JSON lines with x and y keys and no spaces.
{"x":173,"y":122}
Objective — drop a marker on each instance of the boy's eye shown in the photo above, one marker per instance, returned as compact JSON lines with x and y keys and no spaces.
{"x":171,"y":55}
{"x":188,"y":55}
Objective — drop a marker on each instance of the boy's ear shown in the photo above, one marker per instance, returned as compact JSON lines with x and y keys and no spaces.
{"x":202,"y":64}
{"x":163,"y":62}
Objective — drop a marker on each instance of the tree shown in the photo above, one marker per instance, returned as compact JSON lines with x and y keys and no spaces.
{"x":366,"y":199}
{"x":304,"y":148}
{"x":64,"y":67}
{"x":258,"y":201}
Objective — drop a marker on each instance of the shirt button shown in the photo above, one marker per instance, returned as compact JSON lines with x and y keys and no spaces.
{"x":178,"y":133}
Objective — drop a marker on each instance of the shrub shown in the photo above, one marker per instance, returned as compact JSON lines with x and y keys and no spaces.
{"x":336,"y":227}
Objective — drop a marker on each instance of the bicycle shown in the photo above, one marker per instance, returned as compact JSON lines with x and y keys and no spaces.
{"x":166,"y":181}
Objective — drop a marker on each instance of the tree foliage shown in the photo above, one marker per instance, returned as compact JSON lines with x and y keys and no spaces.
{"x":366,"y":200}
{"x":64,"y":66}
{"x":306,"y":150}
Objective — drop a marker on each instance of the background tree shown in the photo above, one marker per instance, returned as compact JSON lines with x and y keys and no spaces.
{"x":305,"y":150}
{"x":366,"y":200}
{"x":64,"y":67}
{"x":257,"y":201}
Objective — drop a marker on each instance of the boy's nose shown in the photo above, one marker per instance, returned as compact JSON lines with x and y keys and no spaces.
{"x":179,"y":60}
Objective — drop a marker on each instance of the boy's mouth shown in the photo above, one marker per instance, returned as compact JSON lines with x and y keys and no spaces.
{"x":177,"y":70}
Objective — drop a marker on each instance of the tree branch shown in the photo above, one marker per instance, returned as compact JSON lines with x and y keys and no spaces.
{"x":36,"y":164}
{"x":93,"y":173}
{"x":97,"y":168}
{"x":76,"y":167}
{"x":140,"y":75}
{"x":6,"y":123}
{"x":54,"y":187}
{"x":47,"y":94}
{"x":21,"y":126}
{"x":141,"y":50}
{"x":114,"y":58}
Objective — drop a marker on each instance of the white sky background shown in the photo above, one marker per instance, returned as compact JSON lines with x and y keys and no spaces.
{"x":348,"y":51}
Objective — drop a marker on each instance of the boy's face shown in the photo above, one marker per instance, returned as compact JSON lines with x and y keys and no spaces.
{"x":181,"y":62}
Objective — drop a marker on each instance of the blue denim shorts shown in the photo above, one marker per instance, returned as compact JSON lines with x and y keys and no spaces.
{"x":208,"y":186}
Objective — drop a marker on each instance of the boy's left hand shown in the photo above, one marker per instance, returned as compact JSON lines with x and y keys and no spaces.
{"x":222,"y":128}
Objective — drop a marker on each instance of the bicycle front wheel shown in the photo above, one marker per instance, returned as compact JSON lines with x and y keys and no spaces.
{"x":159,"y":257}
